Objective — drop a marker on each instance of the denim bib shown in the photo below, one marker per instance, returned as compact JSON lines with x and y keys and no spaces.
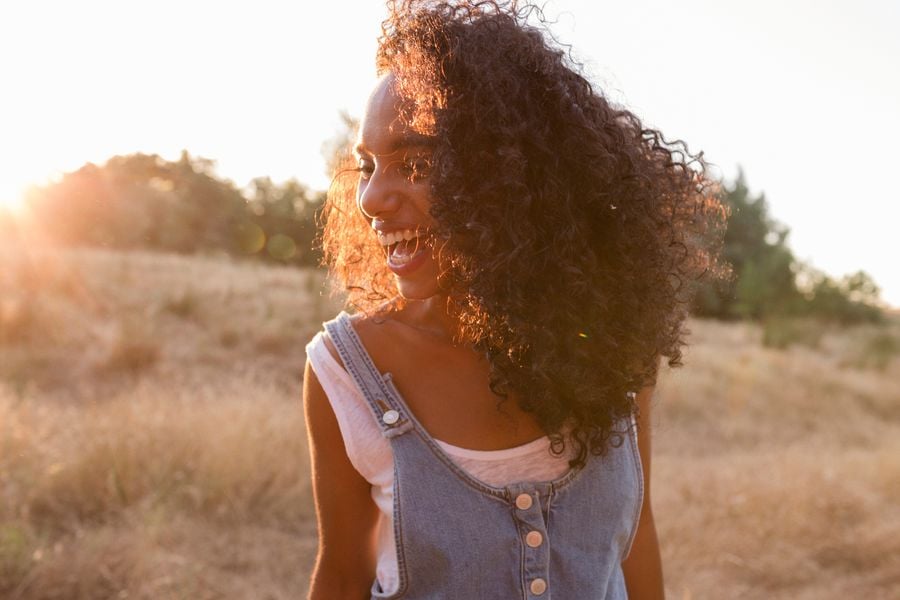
{"x":457,"y":537}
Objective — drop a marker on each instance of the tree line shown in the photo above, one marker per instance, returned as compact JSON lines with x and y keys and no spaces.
{"x":142,"y":201}
{"x":768,"y":281}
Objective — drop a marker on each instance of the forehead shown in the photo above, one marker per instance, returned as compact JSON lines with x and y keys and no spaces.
{"x":382,"y":131}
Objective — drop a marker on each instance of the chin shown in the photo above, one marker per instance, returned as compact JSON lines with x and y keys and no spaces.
{"x":421,"y":284}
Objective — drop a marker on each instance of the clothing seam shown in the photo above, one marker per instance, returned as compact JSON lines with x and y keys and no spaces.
{"x":381,"y":393}
{"x":347,"y":336}
{"x":327,"y":363}
{"x":402,"y":575}
{"x":498,"y":494}
{"x":341,"y":416}
{"x":639,"y":472}
{"x":520,"y":451}
{"x":395,"y":399}
{"x":550,"y":499}
{"x":522,"y":559}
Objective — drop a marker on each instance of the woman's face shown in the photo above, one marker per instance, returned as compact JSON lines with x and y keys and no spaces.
{"x":394,"y":195}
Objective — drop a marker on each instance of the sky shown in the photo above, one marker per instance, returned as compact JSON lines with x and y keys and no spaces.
{"x":804,"y":96}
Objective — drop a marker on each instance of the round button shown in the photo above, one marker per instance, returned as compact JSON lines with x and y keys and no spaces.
{"x":523,"y":501}
{"x":534,"y":539}
{"x":538,"y":586}
{"x":390,"y":417}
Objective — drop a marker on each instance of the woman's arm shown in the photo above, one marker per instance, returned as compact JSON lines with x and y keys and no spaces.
{"x":345,"y":511}
{"x":643,"y":567}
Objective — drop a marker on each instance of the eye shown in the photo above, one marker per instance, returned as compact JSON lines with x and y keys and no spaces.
{"x":365,"y":167}
{"x":417,"y":167}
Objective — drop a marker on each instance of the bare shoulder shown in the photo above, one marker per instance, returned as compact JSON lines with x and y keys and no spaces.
{"x":376,"y":329}
{"x":372,"y":329}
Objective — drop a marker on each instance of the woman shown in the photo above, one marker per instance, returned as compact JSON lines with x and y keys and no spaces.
{"x":518,"y":249}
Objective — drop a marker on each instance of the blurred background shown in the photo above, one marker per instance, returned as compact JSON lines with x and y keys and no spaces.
{"x":161,"y":167}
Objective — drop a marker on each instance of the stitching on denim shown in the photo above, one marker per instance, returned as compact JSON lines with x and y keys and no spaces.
{"x":522,"y":583}
{"x":379,"y":382}
{"x":359,"y":364}
{"x":349,"y":347}
{"x":494,"y":492}
{"x":550,"y":498}
{"x":334,"y":331}
{"x":386,"y":385}
{"x":571,"y":476}
{"x":402,"y":575}
{"x":639,"y":477}
{"x":574,"y":474}
{"x":498,"y":494}
{"x":353,"y":338}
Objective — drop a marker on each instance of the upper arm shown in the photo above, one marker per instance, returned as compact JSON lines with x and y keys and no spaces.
{"x":345,"y":512}
{"x":643,"y":567}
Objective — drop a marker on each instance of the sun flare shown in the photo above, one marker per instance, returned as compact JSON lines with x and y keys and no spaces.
{"x":12,"y":197}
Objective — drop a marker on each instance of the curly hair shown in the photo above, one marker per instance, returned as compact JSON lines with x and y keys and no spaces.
{"x":573,"y":232}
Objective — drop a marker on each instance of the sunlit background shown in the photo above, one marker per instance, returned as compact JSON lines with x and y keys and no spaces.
{"x":803,"y":95}
{"x":154,"y":311}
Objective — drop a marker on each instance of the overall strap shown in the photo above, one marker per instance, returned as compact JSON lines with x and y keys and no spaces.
{"x":388,"y":412}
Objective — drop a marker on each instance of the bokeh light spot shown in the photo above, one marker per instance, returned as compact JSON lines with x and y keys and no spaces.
{"x":281,"y":247}
{"x":250,"y":237}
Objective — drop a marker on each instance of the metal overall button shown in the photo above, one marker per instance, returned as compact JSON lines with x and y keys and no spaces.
{"x":390,"y":417}
{"x":523,"y":501}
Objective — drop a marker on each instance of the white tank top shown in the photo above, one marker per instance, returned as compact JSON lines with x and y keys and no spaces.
{"x":370,"y":454}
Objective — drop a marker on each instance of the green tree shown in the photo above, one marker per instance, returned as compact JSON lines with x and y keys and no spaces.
{"x":765,"y":273}
{"x":285,"y":217}
{"x":763,"y":277}
{"x":851,"y":299}
{"x":141,"y":201}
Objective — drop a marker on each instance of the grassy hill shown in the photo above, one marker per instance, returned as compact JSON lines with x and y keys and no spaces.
{"x":152,"y":442}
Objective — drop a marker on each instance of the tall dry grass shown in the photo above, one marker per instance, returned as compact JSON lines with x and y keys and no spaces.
{"x":777,"y":472}
{"x":151,"y":437}
{"x":152,"y":444}
{"x":155,"y":493}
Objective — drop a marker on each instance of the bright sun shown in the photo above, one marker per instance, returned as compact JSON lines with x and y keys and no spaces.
{"x":12,"y":197}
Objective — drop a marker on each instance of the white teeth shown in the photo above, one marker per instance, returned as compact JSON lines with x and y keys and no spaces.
{"x":386,"y":239}
{"x":401,"y":256}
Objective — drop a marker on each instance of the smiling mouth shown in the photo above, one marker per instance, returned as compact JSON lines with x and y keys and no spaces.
{"x":401,"y":246}
{"x":402,"y":252}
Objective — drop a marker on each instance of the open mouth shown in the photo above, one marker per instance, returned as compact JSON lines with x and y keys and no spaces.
{"x":402,"y":246}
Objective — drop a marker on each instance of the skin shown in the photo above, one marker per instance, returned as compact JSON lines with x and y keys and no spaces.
{"x":386,"y":193}
{"x":453,"y":402}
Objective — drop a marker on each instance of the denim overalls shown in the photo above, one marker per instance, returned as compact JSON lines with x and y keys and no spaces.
{"x":459,"y":538}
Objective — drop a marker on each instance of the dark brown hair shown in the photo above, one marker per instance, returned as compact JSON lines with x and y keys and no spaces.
{"x":573,"y":231}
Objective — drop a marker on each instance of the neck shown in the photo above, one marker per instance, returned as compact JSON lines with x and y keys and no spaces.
{"x":434,"y":316}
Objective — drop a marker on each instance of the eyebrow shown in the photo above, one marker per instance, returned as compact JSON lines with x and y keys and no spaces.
{"x":404,"y":141}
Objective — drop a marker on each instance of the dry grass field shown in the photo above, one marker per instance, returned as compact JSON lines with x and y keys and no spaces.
{"x":152,"y":444}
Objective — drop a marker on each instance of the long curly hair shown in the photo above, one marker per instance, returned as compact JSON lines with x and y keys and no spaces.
{"x":574,"y":233}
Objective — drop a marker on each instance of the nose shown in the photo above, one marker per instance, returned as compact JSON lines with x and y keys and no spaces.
{"x":378,"y":196}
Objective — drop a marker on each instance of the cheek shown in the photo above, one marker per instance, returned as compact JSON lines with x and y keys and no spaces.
{"x":424,"y":201}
